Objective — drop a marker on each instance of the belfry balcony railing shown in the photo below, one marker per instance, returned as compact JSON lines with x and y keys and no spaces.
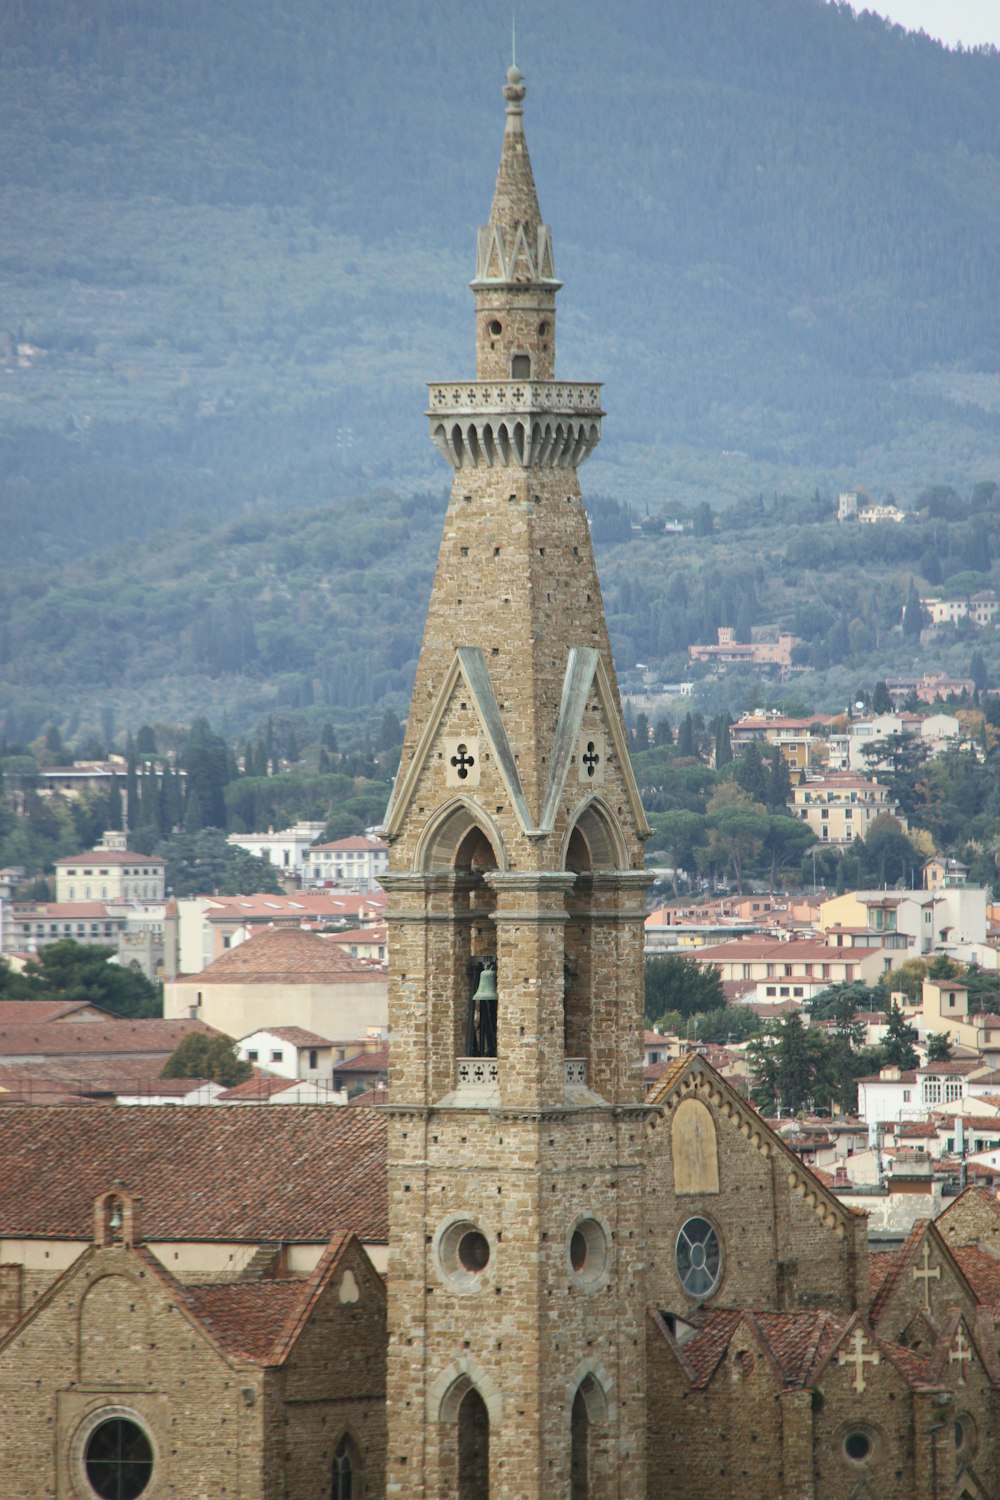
{"x":479,"y":1075}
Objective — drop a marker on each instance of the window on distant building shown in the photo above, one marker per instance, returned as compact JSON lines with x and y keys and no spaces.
{"x":277,"y":1057}
{"x":252,"y":1054}
{"x":313,"y":1058}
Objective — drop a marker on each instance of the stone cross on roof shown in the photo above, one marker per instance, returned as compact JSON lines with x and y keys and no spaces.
{"x":856,"y":1355}
{"x":927,"y":1275}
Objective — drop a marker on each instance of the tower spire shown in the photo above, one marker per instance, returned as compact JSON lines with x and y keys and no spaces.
{"x":515,"y":282}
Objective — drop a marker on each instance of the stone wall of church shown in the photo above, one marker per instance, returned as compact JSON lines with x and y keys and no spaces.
{"x":105,"y":1342}
{"x":743,"y":1433}
{"x":333,"y":1386}
{"x":782,"y":1248}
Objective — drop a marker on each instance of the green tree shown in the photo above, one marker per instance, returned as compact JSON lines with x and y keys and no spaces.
{"x":938,"y":1047}
{"x":208,"y":1055}
{"x":784,"y":1065}
{"x":77,"y":971}
{"x":723,"y":748}
{"x":881,"y":702}
{"x":682,"y":985}
{"x":206,"y":759}
{"x":899,"y":1043}
{"x":913,"y":613}
{"x":752,"y":774}
{"x":784,"y":842}
{"x":888,"y":856}
{"x":738,"y":835}
{"x":205,"y":863}
{"x":779,"y":781}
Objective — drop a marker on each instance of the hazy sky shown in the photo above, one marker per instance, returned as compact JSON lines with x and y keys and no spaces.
{"x":970,"y":22}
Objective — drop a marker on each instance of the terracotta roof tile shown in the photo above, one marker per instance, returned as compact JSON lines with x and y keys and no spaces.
{"x":245,"y":1317}
{"x":260,"y":1087}
{"x":296,"y":1035}
{"x":201,"y":1172}
{"x":705,"y":1351}
{"x":982,"y":1271}
{"x":798,"y":1341}
{"x":59,"y":1039}
{"x":285,"y":955}
{"x":365,"y":1062}
{"x":26,"y":1012}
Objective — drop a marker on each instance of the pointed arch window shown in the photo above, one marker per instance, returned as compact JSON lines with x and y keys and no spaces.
{"x":580,"y":1454}
{"x":346,"y":1471}
{"x":473,"y":1447}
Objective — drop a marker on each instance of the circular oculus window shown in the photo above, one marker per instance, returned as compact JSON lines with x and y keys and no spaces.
{"x":588,"y":1253}
{"x":118,"y":1459}
{"x":858,"y":1445}
{"x":463,"y":1252}
{"x":698,"y":1257}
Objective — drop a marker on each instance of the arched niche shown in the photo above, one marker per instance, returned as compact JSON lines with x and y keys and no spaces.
{"x":115,"y":1333}
{"x":592,"y":845}
{"x":694,"y":1148}
{"x":347,"y":1474}
{"x":589,"y":1419}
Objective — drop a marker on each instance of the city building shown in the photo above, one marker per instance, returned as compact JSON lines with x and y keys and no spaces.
{"x":356,"y":864}
{"x":840,"y":806}
{"x":285,"y":849}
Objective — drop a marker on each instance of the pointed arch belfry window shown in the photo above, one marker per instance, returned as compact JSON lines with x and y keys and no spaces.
{"x":473,"y":1447}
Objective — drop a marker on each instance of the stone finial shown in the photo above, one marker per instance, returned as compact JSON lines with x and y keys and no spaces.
{"x":514,"y":92}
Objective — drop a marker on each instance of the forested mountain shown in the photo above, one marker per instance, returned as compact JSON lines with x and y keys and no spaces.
{"x":316,"y":614}
{"x":236,"y":238}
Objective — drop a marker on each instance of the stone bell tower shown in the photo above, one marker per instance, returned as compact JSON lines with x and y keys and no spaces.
{"x":515,"y":993}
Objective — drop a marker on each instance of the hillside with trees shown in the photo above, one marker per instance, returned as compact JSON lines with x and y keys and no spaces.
{"x":236,"y":245}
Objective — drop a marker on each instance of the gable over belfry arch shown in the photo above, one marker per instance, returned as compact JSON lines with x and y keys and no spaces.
{"x":469,"y":666}
{"x":593,"y":821}
{"x":448,"y":832}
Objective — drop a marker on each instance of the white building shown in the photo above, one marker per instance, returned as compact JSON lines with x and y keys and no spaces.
{"x":110,"y":873}
{"x":289,"y":1051}
{"x":357,"y":863}
{"x":285,"y":849}
{"x":911,"y":1094}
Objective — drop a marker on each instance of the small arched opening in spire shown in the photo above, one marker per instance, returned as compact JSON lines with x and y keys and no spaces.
{"x":520,"y":366}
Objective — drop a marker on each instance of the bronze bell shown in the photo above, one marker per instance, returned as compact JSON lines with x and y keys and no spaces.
{"x":487,"y":988}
